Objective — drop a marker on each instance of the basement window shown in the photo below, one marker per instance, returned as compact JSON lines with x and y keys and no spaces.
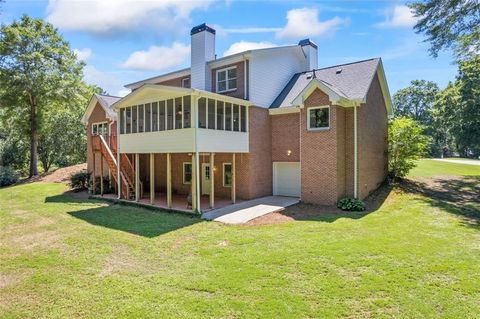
{"x":227,"y":174}
{"x":318,"y":118}
{"x":187,"y":173}
{"x":226,"y":79}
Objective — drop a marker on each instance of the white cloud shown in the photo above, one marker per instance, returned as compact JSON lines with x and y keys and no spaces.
{"x":83,"y":54}
{"x":245,"y":46}
{"x":110,"y":16}
{"x":399,"y":17}
{"x":304,"y":22}
{"x":106,"y":81}
{"x":158,"y":58}
{"x":123,"y":92}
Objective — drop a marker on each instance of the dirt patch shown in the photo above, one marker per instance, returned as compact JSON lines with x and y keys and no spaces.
{"x":61,"y":175}
{"x":121,"y":260}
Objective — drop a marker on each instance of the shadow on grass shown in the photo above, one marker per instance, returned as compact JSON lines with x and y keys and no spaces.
{"x":457,"y":195}
{"x":330,"y":214}
{"x":134,"y":220}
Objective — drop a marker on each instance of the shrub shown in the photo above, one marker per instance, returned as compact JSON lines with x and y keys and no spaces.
{"x":406,"y":144}
{"x":8,"y":176}
{"x":79,"y":181}
{"x":107,"y":187}
{"x":351,"y":204}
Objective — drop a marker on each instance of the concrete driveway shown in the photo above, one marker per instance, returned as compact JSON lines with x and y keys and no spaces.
{"x":245,"y":211}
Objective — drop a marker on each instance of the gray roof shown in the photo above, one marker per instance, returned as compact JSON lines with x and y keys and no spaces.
{"x":352,"y":82}
{"x":106,"y":101}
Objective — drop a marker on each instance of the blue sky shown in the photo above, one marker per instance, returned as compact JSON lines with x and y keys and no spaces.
{"x":123,"y":41}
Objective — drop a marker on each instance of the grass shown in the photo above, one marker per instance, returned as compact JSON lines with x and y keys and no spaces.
{"x":62,"y":258}
{"x":429,"y":168}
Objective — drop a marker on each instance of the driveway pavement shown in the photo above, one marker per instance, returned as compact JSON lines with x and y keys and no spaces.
{"x":245,"y":211}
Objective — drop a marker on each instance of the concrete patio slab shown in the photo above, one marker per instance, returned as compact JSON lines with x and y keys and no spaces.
{"x":245,"y":211}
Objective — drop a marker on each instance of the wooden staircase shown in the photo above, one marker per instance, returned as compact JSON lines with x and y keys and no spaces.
{"x":109,"y":153}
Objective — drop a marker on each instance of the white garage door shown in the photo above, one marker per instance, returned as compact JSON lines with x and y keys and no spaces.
{"x":286,"y":179}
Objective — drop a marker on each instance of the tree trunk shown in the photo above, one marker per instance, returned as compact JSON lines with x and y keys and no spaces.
{"x":33,"y":138}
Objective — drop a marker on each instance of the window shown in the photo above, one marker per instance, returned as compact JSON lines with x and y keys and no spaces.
{"x":178,"y":113}
{"x":202,"y":113}
{"x":228,"y":116}
{"x":211,"y":114}
{"x":170,"y":115}
{"x":141,"y":119}
{"x":236,"y":118}
{"x":186,"y":83}
{"x":318,"y":118}
{"x":162,"y":117}
{"x":154,"y":116}
{"x":220,"y":115}
{"x":227,"y":174}
{"x":122,"y":121}
{"x":100,"y":128}
{"x":148,"y":117}
{"x":128,"y":122}
{"x":134,"y":119}
{"x":243,"y":118}
{"x":187,"y":173}
{"x":227,"y":79}
{"x":186,"y":112}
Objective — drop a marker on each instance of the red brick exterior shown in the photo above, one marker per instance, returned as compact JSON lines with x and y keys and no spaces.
{"x":286,"y":137}
{"x":174,"y":82}
{"x":241,"y":78}
{"x":97,"y":115}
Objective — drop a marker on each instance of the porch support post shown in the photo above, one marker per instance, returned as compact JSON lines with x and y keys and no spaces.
{"x":137,"y":177}
{"x":101,"y":175}
{"x":93,"y":174}
{"x":197,"y":180}
{"x":212,"y":183}
{"x":169,"y":181}
{"x":193,"y":184}
{"x":234,"y":190}
{"x":152,"y":178}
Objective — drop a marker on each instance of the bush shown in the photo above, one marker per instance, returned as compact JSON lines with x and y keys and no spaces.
{"x":8,"y":176}
{"x":406,"y":144}
{"x":107,"y":187}
{"x":351,"y":204}
{"x":79,"y":181}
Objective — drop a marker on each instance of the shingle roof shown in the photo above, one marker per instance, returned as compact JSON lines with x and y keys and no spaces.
{"x":353,"y":81}
{"x":106,"y":101}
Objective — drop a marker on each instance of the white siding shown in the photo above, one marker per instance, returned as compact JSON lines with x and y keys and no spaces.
{"x":270,"y":71}
{"x":202,"y":50}
{"x":173,"y":141}
{"x":222,"y":141}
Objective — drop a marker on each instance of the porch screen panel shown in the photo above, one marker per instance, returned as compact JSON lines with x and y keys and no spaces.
{"x":236,"y":118}
{"x":187,"y":116}
{"x":178,"y":113}
{"x":202,"y":113}
{"x":162,"y":115}
{"x":128,"y":124}
{"x":228,"y":116}
{"x":122,"y":121}
{"x":154,"y":116}
{"x":170,"y":114}
{"x":148,"y":117}
{"x":134,"y":119}
{"x":141,"y":119}
{"x":220,"y":115}
{"x":243,"y":118}
{"x":211,"y":114}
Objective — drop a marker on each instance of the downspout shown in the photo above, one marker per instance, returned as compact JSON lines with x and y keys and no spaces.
{"x":355,"y":153}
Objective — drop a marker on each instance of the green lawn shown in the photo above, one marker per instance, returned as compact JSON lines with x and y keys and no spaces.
{"x":428,"y":168}
{"x":59,"y":258}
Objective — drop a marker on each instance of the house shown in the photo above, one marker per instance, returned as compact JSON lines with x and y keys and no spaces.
{"x":255,"y":123}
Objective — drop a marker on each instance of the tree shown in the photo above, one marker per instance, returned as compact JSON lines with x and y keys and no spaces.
{"x":37,"y":70}
{"x":449,"y":24}
{"x":416,"y":101}
{"x":406,"y":144}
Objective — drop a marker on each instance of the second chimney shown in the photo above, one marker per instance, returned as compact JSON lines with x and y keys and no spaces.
{"x":202,"y":51}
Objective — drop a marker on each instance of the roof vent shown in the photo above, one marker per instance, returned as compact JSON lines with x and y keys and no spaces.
{"x":309,"y":76}
{"x":339,"y":70}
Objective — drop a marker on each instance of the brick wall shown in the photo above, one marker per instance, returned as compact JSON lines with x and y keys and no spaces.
{"x":372,"y":141}
{"x":285,"y":137}
{"x":318,"y":155}
{"x":174,"y":82}
{"x":240,"y":91}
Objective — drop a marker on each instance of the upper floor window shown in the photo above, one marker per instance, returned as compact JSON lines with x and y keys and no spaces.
{"x":227,"y":79}
{"x":318,"y":118}
{"x":185,"y":82}
{"x":100,"y":128}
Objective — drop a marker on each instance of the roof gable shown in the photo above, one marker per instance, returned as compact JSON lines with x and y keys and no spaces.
{"x":105,"y":101}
